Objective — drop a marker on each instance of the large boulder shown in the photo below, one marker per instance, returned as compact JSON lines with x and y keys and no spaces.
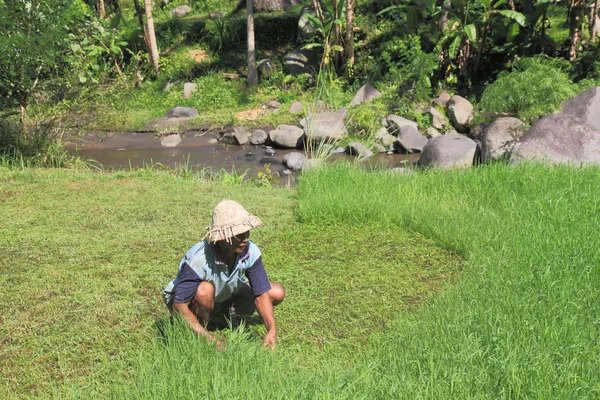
{"x":325,"y":126}
{"x":365,"y":94}
{"x":287,"y":136}
{"x":410,"y":140}
{"x":301,"y":61}
{"x":181,"y":11}
{"x":442,"y":99}
{"x":265,"y":67}
{"x":559,"y":138}
{"x":449,"y":152}
{"x":461,"y":113}
{"x":171,"y":140}
{"x":181,"y":112}
{"x":394,"y":123}
{"x":237,"y":136}
{"x":585,"y":106}
{"x":438,"y":120}
{"x":306,"y":30}
{"x":500,"y":138}
{"x":358,"y":149}
{"x":258,"y":137}
{"x":294,"y":160}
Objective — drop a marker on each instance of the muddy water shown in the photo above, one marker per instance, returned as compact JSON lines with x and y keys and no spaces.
{"x":197,"y":151}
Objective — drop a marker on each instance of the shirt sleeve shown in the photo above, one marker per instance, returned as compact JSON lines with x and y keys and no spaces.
{"x":256,"y":274}
{"x":187,"y":285}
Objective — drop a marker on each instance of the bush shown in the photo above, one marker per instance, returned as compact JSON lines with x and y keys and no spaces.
{"x":535,"y":87}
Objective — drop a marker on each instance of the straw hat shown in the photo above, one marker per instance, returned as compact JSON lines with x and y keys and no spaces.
{"x":229,"y":219}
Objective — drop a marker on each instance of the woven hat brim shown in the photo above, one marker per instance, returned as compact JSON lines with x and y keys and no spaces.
{"x":216,"y":233}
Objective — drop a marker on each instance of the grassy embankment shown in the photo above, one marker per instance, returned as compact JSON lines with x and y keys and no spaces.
{"x":84,"y":257}
{"x":521,"y":322}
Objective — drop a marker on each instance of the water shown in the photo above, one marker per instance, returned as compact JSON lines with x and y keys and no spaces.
{"x":197,"y":151}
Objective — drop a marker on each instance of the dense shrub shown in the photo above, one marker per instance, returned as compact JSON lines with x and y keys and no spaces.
{"x":533,"y":87}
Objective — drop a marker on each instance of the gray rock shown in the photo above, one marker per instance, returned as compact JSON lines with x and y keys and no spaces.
{"x":169,"y":86}
{"x":437,"y":119}
{"x":358,"y":149}
{"x":559,"y":138}
{"x":394,"y":123}
{"x":306,"y":30}
{"x":270,"y":5}
{"x":451,"y":132}
{"x":294,"y":160}
{"x":258,"y":137}
{"x":364,"y":95}
{"x":301,"y":61}
{"x":296,"y":107}
{"x":188,"y":89}
{"x":181,"y":112}
{"x":216,"y":14}
{"x":586,"y":106}
{"x":383,"y":137}
{"x":442,"y":99}
{"x":449,"y":152}
{"x":432,"y":132}
{"x":410,"y":140}
{"x":181,"y":11}
{"x":477,"y":131}
{"x":326,"y":126}
{"x":266,"y":67}
{"x":379,"y":148}
{"x":170,"y":141}
{"x":287,"y":136}
{"x":237,"y":136}
{"x":336,"y":150}
{"x":269,"y":151}
{"x":500,"y":138}
{"x":461,"y":113}
{"x":272,"y":105}
{"x":213,"y":141}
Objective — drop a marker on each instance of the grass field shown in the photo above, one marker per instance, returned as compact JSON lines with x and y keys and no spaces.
{"x":479,"y":283}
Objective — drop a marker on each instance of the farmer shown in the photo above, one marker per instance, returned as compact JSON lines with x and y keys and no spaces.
{"x":224,"y":274}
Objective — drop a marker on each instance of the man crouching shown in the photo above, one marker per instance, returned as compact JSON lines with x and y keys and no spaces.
{"x":223,"y":272}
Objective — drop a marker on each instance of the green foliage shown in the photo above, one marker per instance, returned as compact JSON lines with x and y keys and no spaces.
{"x":534,"y":87}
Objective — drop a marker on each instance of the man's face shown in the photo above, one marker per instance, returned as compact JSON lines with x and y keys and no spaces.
{"x":238,"y":243}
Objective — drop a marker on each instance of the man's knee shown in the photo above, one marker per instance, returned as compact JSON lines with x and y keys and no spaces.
{"x":205,"y":297}
{"x":277,"y":293}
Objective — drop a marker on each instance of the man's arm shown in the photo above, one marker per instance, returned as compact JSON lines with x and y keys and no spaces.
{"x":264,"y":306}
{"x":197,"y":327}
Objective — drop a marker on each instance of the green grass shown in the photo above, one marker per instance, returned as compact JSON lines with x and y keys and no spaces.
{"x":85,"y":256}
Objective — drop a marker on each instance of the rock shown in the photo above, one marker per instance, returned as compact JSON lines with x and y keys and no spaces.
{"x":477,"y":131}
{"x":237,"y":136}
{"x":306,"y":30}
{"x":270,"y":5}
{"x":216,"y":14}
{"x":269,"y":151}
{"x":586,"y":106}
{"x":449,"y":152}
{"x":301,"y":61}
{"x":336,"y":150}
{"x":181,"y":11}
{"x":266,"y":67}
{"x":286,"y":172}
{"x":273,"y":105}
{"x":364,"y":95}
{"x":258,"y":137}
{"x":170,"y":141}
{"x":384,"y":137}
{"x":287,"y":136}
{"x":442,"y":99}
{"x":213,"y":141}
{"x":270,"y":160}
{"x":188,"y":89}
{"x":559,"y":138}
{"x":410,"y":140}
{"x":437,"y":119}
{"x":394,"y":123}
{"x":500,"y":138}
{"x":169,"y":86}
{"x":461,"y":113}
{"x":379,"y":148}
{"x":432,"y":132}
{"x":294,"y":160}
{"x":181,"y":112}
{"x":451,"y":132}
{"x":325,"y":126}
{"x":358,"y":149}
{"x":296,"y":107}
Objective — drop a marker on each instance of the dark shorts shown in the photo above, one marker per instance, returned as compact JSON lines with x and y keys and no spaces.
{"x":242,"y":302}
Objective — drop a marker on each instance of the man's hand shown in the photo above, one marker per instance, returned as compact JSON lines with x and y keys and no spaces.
{"x":270,"y":340}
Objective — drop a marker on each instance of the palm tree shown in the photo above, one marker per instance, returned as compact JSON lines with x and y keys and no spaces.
{"x":152,"y":48}
{"x":252,"y":73}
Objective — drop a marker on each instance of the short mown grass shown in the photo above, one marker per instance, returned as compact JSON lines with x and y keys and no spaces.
{"x":85,"y":256}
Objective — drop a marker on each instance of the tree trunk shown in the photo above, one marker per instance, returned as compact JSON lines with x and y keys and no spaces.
{"x":252,"y":73}
{"x":349,"y":42}
{"x":337,"y":37}
{"x":152,"y":48}
{"x":594,"y":21}
{"x":575,"y":21}
{"x":101,"y":10}
{"x":318,"y":10}
{"x":443,"y":21}
{"x":140,"y":16}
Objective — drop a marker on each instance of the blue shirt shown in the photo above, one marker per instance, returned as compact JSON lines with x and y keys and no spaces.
{"x":201,"y":263}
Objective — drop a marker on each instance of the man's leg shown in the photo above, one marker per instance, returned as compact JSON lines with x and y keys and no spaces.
{"x":243,"y":300}
{"x":203,"y":302}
